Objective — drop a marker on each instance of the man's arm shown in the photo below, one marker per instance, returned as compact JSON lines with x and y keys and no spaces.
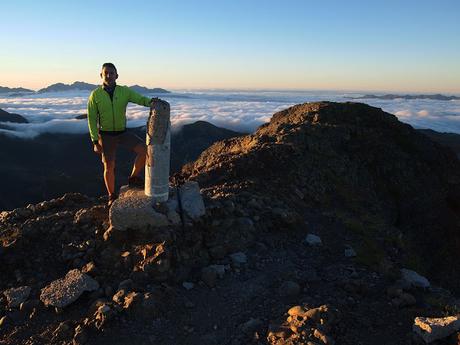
{"x":134,"y":97}
{"x":92,"y":122}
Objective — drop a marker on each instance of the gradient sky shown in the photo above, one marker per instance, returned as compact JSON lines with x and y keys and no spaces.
{"x":341,"y":45}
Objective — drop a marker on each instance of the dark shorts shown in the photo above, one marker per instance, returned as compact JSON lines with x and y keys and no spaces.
{"x":110,"y":141}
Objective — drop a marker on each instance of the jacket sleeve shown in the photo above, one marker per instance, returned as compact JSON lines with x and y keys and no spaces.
{"x":138,"y":98}
{"x":92,"y":118}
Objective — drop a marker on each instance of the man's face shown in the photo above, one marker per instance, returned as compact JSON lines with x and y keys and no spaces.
{"x":109,"y":75}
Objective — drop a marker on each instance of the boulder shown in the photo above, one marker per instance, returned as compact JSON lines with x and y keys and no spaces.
{"x":413,"y":279}
{"x":431,"y":329}
{"x":134,"y":210}
{"x":62,"y":292}
{"x":191,"y":200}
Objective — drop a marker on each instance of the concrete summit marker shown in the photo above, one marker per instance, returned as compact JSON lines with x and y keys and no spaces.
{"x":158,"y":140}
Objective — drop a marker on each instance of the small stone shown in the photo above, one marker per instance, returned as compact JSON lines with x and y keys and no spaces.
{"x":15,"y":296}
{"x":188,"y":285}
{"x":149,"y":307}
{"x":404,"y":300}
{"x":238,"y":259}
{"x":108,"y":291}
{"x":217,"y":252}
{"x":313,"y":240}
{"x":349,"y":252}
{"x":251,"y":325}
{"x":90,"y":268}
{"x":189,"y":304}
{"x":125,"y":285}
{"x":174,"y":217}
{"x":119,"y":297}
{"x":323,"y":337}
{"x":209,"y":276}
{"x":394,"y":291}
{"x":289,"y":288}
{"x":220,"y":269}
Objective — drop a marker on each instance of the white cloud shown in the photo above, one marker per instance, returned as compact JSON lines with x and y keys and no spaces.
{"x":403,"y":113}
{"x":237,"y":110}
{"x":423,"y":113}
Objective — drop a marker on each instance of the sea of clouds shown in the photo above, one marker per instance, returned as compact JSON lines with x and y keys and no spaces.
{"x":238,"y":110}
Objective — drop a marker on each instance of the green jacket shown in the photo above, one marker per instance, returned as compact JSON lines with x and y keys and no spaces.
{"x":111,"y":116}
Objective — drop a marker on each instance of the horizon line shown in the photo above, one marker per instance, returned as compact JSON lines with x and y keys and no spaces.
{"x":293,"y":89}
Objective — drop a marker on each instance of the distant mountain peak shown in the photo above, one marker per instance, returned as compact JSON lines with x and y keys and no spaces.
{"x":80,"y":85}
{"x":4,"y":89}
{"x":437,"y":97}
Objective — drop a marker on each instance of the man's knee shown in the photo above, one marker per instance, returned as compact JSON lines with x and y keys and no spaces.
{"x":140,"y":149}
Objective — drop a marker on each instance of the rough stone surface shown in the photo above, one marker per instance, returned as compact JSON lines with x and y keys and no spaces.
{"x":134,"y":210}
{"x":238,"y":259}
{"x":414,"y":279}
{"x":349,"y":252}
{"x":431,"y":329}
{"x":188,"y":285}
{"x":191,"y":200}
{"x":15,"y":296}
{"x":62,"y":292}
{"x":209,"y":276}
{"x":313,"y":240}
{"x":289,"y":288}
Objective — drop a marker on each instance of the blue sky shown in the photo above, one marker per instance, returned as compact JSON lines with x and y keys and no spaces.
{"x":339,"y":45}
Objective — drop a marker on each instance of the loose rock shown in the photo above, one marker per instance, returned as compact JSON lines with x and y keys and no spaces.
{"x":15,"y":296}
{"x":431,"y":329}
{"x":313,"y":240}
{"x":414,"y":279}
{"x":62,"y":292}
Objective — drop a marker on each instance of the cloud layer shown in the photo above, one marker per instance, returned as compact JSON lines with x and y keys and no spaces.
{"x":237,"y":110}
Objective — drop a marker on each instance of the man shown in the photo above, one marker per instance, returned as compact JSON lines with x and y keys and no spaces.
{"x":107,"y":126}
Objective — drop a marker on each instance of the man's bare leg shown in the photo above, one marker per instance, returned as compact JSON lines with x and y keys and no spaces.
{"x":139,"y":162}
{"x":109,"y":176}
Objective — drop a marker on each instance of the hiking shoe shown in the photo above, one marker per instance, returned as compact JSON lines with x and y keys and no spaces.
{"x":136,"y":182}
{"x":112,"y":198}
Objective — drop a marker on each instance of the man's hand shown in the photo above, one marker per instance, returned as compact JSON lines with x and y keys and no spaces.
{"x":97,"y":148}
{"x":153,"y":102}
{"x":156,"y":100}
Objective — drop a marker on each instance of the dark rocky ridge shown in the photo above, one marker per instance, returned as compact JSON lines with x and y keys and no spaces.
{"x":358,"y":162}
{"x":9,"y":117}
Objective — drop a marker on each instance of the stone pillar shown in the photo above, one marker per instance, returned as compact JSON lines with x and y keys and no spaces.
{"x":158,"y":142}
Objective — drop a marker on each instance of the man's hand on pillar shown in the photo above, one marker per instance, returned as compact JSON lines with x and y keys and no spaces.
{"x":153,"y":102}
{"x":156,"y":100}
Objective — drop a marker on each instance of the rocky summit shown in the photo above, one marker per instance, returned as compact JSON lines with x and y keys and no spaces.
{"x":334,"y":223}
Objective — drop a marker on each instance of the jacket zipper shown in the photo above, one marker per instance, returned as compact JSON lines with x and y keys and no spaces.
{"x":113,"y":112}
